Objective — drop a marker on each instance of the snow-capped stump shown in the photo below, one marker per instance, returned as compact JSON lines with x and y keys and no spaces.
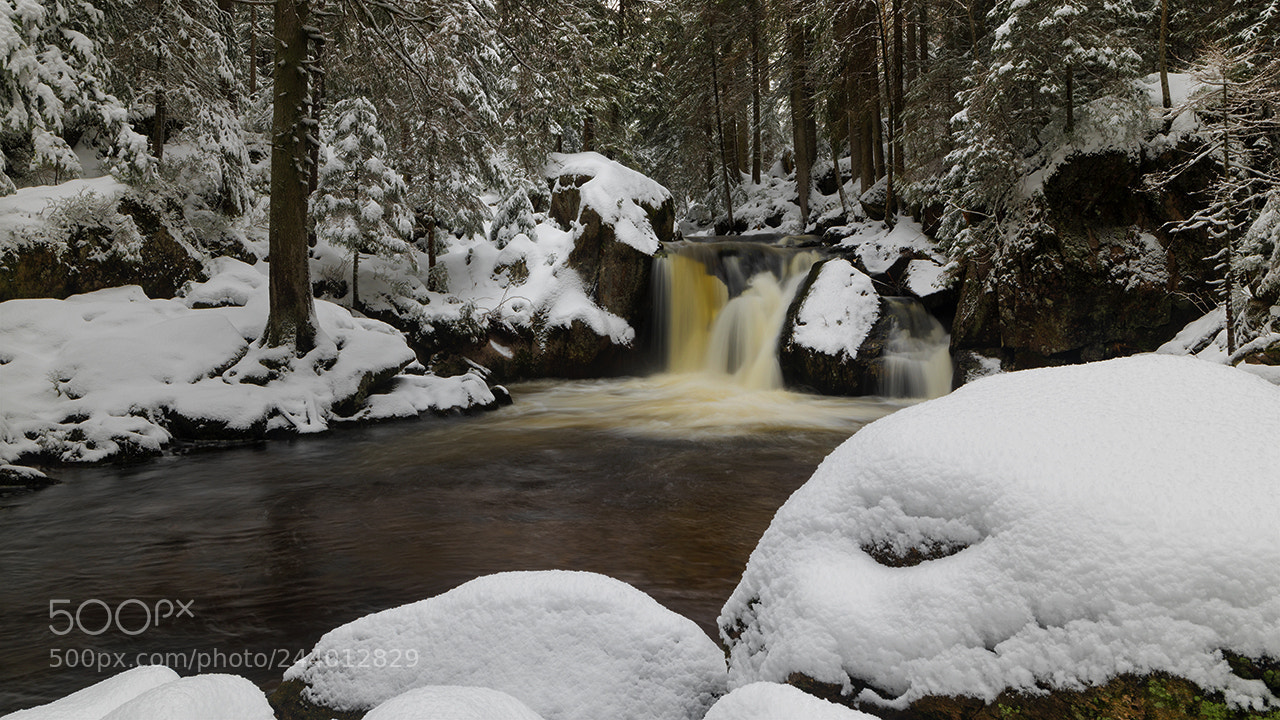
{"x":773,"y":701}
{"x":1107,"y":522}
{"x":570,"y":645}
{"x":453,"y":703}
{"x":97,"y":700}
{"x":200,"y":697}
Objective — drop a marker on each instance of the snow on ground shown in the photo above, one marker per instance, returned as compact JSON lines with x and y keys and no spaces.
{"x":838,"y":311}
{"x":879,"y":247}
{"x":96,"y":701}
{"x":452,"y":703}
{"x":774,"y":701}
{"x":1206,"y":339}
{"x":926,"y":277}
{"x":101,"y":373}
{"x":570,"y":645}
{"x":1115,"y":517}
{"x":616,"y":192}
{"x":24,"y":212}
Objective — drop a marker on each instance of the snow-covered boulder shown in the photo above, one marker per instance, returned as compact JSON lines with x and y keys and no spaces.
{"x":840,"y":337}
{"x":85,"y":235}
{"x":200,"y":697}
{"x":1042,"y":530}
{"x":452,"y":703}
{"x":96,"y":701}
{"x":623,"y":216}
{"x":570,"y":645}
{"x":773,"y":701}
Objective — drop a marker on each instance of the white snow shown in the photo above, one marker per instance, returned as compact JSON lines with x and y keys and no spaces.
{"x":96,"y":701}
{"x":773,"y":701}
{"x":616,"y":192}
{"x":838,"y":311}
{"x":1181,"y":87}
{"x":1115,"y":517}
{"x":926,"y":277}
{"x":96,"y":374}
{"x":570,"y":645}
{"x":452,"y":703}
{"x":1198,"y":336}
{"x":200,"y":697}
{"x":879,"y":248}
{"x":25,"y":209}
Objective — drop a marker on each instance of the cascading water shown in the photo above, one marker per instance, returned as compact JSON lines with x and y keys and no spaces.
{"x":917,"y":359}
{"x":722,"y":307}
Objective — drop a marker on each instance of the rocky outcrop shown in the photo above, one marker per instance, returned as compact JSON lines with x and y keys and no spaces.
{"x":90,"y":260}
{"x":1091,"y":275}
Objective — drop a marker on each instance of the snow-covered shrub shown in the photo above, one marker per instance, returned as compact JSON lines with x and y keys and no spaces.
{"x":1037,"y":530}
{"x":513,"y":217}
{"x":93,"y":217}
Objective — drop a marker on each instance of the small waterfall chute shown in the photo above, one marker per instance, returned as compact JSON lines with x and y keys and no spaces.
{"x":917,"y":360}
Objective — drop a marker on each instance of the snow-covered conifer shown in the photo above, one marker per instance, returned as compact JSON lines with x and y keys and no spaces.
{"x":513,"y":216}
{"x":359,"y":203}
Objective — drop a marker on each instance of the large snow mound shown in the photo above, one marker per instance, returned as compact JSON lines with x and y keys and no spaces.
{"x":570,"y":645}
{"x":1074,"y":523}
{"x":838,"y":311}
{"x":453,"y":703}
{"x":95,"y":701}
{"x":201,"y":697}
{"x":772,"y":701}
{"x":107,"y":372}
{"x":616,"y":192}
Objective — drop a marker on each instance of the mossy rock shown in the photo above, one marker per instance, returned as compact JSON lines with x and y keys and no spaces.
{"x":288,"y":704}
{"x":1126,"y":697}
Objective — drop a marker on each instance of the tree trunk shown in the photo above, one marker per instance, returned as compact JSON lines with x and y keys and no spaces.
{"x":922,"y":36}
{"x":1071,"y":111}
{"x":910,"y":64}
{"x":355,"y":280}
{"x":899,"y":94}
{"x":253,"y":50}
{"x":801,"y":120}
{"x":757,"y":73}
{"x":161,"y":117}
{"x":1165,"y":98}
{"x":291,"y":320}
{"x":1229,"y":279}
{"x":589,"y":132}
{"x":724,"y":156}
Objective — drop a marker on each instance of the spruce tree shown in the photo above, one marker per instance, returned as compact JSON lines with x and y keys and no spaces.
{"x":359,"y":203}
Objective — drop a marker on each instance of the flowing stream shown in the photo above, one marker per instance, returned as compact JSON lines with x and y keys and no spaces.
{"x":665,"y":482}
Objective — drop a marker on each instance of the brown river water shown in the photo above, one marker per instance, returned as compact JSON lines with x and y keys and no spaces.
{"x":238,"y":560}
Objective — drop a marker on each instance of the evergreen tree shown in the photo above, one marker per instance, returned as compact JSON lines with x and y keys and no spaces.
{"x":359,"y":204}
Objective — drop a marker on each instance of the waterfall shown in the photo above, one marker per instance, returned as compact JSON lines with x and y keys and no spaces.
{"x":917,"y":358}
{"x":722,"y":307}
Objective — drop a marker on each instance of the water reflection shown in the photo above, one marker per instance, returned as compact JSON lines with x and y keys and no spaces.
{"x":665,"y":483}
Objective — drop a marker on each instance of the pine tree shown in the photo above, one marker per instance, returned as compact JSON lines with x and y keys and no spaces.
{"x":359,"y":204}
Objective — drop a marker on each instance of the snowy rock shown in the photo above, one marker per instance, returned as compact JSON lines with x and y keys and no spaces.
{"x":1051,"y":528}
{"x":771,"y":701}
{"x":570,"y":645}
{"x":620,"y":218}
{"x":96,"y":701}
{"x":85,"y":235}
{"x":453,"y":703}
{"x":200,"y":697}
{"x":842,"y":338}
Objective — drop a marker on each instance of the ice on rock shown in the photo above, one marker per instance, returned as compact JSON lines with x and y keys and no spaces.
{"x":453,"y":703}
{"x":1067,"y":525}
{"x":570,"y":645}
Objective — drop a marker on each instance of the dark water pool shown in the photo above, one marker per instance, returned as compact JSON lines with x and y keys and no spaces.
{"x":664,"y":484}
